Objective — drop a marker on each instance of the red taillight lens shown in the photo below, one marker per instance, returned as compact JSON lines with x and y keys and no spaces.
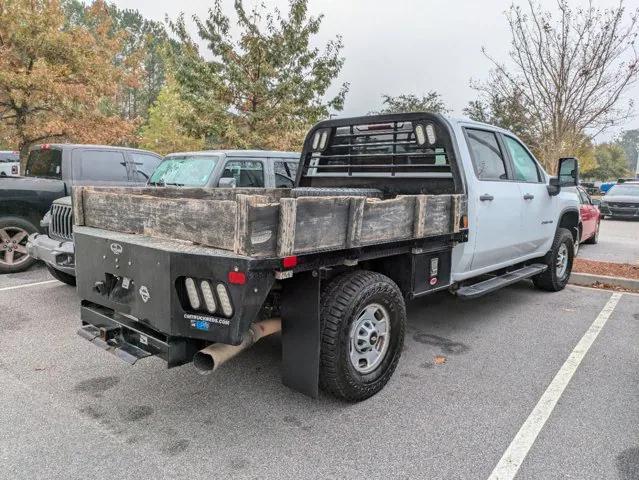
{"x":237,"y":278}
{"x":46,"y":146}
{"x":289,"y":262}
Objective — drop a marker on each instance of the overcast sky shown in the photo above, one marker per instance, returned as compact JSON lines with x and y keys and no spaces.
{"x":402,"y":46}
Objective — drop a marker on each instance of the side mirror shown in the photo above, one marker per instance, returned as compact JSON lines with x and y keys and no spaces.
{"x":227,"y":182}
{"x":568,"y":172}
{"x":554,"y":186}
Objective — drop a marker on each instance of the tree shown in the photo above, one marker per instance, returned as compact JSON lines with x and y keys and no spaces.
{"x":164,"y":132}
{"x":266,"y":86}
{"x":569,"y":72}
{"x":611,"y":163}
{"x":629,"y":141}
{"x":56,"y":78}
{"x":142,"y":50}
{"x":431,"y":102}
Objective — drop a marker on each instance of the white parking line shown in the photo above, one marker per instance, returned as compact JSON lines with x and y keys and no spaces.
{"x":516,"y":452}
{"x":3,"y":289}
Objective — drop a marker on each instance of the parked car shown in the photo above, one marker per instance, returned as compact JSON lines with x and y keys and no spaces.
{"x":590,"y":219}
{"x":227,"y":168}
{"x":242,"y":168}
{"x":50,"y":173}
{"x":385,"y":209}
{"x":9,"y":163}
{"x":621,"y":201}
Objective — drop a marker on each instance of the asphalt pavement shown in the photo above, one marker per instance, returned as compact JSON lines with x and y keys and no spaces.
{"x":618,"y":242}
{"x":70,"y":410}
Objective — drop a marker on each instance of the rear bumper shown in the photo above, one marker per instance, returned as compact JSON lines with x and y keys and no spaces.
{"x":130,"y":340}
{"x":59,"y":254}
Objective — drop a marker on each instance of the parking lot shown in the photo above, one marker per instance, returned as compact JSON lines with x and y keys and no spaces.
{"x":617,"y":243}
{"x":71,"y":410}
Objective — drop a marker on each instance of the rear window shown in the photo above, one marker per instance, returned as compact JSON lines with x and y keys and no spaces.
{"x":9,"y":157}
{"x":184,"y":171}
{"x":44,"y":163}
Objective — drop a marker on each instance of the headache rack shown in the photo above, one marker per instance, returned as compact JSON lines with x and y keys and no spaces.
{"x":401,"y":145}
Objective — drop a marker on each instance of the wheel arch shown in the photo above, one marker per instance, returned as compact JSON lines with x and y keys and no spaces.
{"x":570,"y":220}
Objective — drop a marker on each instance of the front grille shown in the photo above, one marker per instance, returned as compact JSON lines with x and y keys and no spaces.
{"x":61,"y":226}
{"x":623,"y":205}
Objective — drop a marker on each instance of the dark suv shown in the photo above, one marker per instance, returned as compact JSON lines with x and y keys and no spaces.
{"x":49,"y":174}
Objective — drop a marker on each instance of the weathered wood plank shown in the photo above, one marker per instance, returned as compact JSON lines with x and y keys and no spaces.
{"x":206,"y":222}
{"x":271,"y":194}
{"x":456,"y":208}
{"x":438,"y":215}
{"x":287,"y":227}
{"x":388,"y":220}
{"x":419,"y":226}
{"x":77,"y":205}
{"x":321,"y":223}
{"x":354,"y":222}
{"x":256,"y":226}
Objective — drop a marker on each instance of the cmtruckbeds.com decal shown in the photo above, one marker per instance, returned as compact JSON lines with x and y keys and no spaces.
{"x":202,"y":322}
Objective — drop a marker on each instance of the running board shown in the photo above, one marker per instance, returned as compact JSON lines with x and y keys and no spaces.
{"x":495,"y":283}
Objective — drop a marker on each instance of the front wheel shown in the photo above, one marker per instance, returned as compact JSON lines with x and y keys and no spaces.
{"x":14,"y":234}
{"x":363,"y":319}
{"x":559,"y":261}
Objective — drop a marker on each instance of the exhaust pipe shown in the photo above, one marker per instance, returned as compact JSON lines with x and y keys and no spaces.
{"x":212,"y":357}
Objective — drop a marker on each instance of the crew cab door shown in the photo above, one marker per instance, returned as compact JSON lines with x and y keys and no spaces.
{"x":537,"y":206}
{"x":497,"y":199}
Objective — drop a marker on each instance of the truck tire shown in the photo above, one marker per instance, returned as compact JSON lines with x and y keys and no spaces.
{"x":13,"y":256}
{"x":363,"y":320}
{"x":559,"y":261}
{"x":62,"y":276}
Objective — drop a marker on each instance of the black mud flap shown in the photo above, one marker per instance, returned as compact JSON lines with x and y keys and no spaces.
{"x":301,"y":333}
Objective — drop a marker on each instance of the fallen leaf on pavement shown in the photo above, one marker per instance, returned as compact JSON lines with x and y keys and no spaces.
{"x":440,"y":359}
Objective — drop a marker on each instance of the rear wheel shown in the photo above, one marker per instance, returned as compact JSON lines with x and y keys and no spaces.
{"x":14,"y":233}
{"x":559,"y":261}
{"x":62,"y":276}
{"x":363,"y":322}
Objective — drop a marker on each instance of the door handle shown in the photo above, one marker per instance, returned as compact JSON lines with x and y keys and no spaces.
{"x":486,"y":198}
{"x":528,"y":196}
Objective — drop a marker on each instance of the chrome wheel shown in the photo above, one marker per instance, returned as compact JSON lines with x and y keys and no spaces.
{"x":369,"y":338}
{"x":561,"y":264}
{"x":13,"y":246}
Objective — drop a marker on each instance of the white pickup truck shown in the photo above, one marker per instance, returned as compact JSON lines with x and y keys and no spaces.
{"x":384,"y":209}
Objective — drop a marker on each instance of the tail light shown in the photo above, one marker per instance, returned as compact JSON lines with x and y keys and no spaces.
{"x":225,"y":301}
{"x":191,"y":291}
{"x":207,"y":293}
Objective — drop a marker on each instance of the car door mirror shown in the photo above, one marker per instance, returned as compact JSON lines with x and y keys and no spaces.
{"x":227,"y":182}
{"x":568,"y":172}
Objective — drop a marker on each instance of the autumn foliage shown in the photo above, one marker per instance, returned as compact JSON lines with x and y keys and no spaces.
{"x":58,"y":81}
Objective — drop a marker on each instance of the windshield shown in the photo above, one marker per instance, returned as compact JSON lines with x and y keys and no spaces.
{"x":184,"y":170}
{"x":632,"y":190}
{"x":44,"y":163}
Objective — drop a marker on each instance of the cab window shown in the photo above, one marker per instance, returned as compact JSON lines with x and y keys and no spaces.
{"x":247,"y":173}
{"x":524,"y":165}
{"x":487,"y":157}
{"x":285,"y":173}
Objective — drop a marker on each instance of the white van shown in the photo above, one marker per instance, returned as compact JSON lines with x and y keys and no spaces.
{"x":9,"y":163}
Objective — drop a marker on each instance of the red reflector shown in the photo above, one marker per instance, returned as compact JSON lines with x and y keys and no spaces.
{"x":289,"y":262}
{"x":237,"y":278}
